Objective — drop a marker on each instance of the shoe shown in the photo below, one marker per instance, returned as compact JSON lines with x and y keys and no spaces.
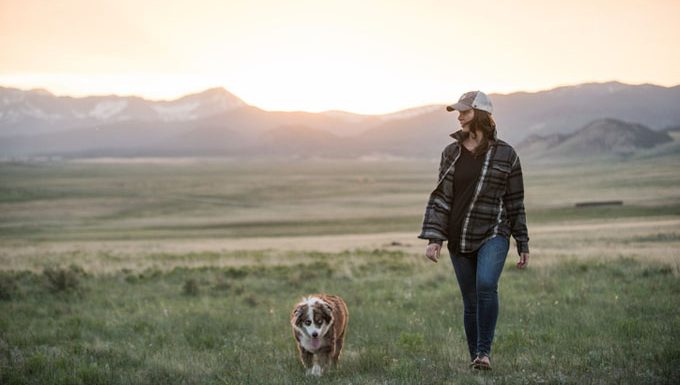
{"x":483,"y":363}
{"x":475,"y":363}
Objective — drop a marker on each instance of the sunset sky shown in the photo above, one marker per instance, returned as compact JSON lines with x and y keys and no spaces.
{"x":360,"y":56}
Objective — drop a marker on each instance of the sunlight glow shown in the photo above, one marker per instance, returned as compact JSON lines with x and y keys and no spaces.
{"x":368,"y":57}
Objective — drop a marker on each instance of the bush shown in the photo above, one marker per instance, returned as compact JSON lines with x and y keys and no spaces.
{"x":8,"y":287}
{"x":191,"y":287}
{"x":62,"y":279}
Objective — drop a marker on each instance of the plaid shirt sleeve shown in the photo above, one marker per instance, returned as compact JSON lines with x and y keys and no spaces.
{"x":435,"y":220}
{"x":513,"y":200}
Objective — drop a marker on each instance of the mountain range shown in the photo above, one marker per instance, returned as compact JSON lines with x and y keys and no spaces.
{"x":602,"y":137}
{"x":217,"y":123}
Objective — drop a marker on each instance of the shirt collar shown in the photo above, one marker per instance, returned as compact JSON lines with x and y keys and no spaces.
{"x":459,"y":136}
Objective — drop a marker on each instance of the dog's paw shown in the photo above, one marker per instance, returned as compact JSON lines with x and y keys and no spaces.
{"x":315,"y":371}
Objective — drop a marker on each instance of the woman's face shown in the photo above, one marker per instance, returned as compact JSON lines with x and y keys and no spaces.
{"x":465,"y":117}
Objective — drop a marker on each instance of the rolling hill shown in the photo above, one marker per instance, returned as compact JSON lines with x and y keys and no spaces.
{"x":599,"y":138}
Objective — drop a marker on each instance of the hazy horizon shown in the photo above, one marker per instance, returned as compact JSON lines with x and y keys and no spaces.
{"x":199,"y":91}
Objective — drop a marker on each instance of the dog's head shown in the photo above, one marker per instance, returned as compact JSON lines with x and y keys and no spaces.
{"x":312,"y":317}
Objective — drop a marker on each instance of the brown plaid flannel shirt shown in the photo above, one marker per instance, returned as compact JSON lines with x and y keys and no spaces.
{"x":497,"y":206}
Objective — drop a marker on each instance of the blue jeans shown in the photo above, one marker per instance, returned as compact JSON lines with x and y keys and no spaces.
{"x":478,"y":274}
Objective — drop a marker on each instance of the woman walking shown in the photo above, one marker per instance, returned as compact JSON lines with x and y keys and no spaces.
{"x":477,"y":205}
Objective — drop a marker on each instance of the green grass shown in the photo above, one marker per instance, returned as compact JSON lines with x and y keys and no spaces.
{"x":72,"y":201}
{"x":572,"y":323}
{"x":59,"y":232}
{"x":45,"y":202}
{"x":571,"y":213}
{"x":659,"y":237}
{"x":580,"y":315}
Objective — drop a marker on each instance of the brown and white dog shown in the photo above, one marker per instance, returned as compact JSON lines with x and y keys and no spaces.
{"x":319,"y":323}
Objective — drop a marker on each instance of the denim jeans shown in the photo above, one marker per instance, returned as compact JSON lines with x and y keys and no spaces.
{"x":478,"y":274}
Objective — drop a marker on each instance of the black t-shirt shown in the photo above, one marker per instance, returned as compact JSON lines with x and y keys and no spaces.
{"x":467,"y":171}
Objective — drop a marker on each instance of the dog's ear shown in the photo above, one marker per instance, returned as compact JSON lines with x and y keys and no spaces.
{"x":327,"y":310}
{"x":327,"y":314}
{"x":298,"y":312}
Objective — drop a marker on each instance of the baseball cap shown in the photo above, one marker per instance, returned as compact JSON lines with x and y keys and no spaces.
{"x":472,"y":99}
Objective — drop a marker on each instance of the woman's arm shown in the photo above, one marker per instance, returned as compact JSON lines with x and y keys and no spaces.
{"x":514,"y":206}
{"x":435,"y":220}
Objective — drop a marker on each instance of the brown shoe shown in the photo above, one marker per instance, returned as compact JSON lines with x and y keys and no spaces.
{"x":475,"y":363}
{"x":483,"y":363}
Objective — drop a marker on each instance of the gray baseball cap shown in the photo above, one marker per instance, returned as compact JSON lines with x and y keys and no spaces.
{"x":472,"y":99}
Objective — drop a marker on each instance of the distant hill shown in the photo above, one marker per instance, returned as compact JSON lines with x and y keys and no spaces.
{"x":602,"y":137}
{"x":563,"y":110}
{"x":218,"y":123}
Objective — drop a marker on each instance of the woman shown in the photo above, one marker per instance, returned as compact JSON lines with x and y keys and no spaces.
{"x":477,"y":204}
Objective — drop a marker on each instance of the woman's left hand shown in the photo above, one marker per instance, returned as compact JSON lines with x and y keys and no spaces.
{"x":432,"y":251}
{"x":523,"y":260}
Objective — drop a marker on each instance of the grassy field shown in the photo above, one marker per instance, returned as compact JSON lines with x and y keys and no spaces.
{"x":186,"y":272}
{"x":78,"y":201}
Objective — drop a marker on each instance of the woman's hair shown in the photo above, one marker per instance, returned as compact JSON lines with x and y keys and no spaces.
{"x":482,"y":123}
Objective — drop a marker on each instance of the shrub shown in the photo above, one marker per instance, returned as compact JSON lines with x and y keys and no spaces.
{"x":191,"y":287}
{"x":62,"y":279}
{"x":8,"y":287}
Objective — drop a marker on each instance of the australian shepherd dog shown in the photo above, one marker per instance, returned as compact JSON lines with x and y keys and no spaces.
{"x":319,"y":323}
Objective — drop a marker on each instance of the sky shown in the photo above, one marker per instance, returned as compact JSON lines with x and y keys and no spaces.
{"x":359,"y":56}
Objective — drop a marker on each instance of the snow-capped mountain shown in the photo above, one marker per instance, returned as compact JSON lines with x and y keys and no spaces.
{"x":38,"y":111}
{"x":197,"y":106}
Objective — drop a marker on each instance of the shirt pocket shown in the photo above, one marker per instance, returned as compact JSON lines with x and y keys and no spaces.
{"x":497,"y":178}
{"x":501,"y":167}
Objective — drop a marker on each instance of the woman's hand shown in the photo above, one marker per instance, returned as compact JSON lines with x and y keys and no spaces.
{"x":432,"y":251}
{"x":523,"y":260}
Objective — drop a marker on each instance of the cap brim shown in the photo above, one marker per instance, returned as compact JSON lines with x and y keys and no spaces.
{"x":458,"y":107}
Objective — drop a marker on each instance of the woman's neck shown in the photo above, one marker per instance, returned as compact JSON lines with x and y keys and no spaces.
{"x":472,"y":142}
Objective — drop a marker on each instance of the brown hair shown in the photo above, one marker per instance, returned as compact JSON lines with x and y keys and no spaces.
{"x":483,"y":123}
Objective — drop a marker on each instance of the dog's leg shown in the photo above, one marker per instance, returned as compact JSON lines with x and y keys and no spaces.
{"x":324,"y":361}
{"x":315,"y":370}
{"x":306,"y":358}
{"x":338,"y":349}
{"x":317,"y":366}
